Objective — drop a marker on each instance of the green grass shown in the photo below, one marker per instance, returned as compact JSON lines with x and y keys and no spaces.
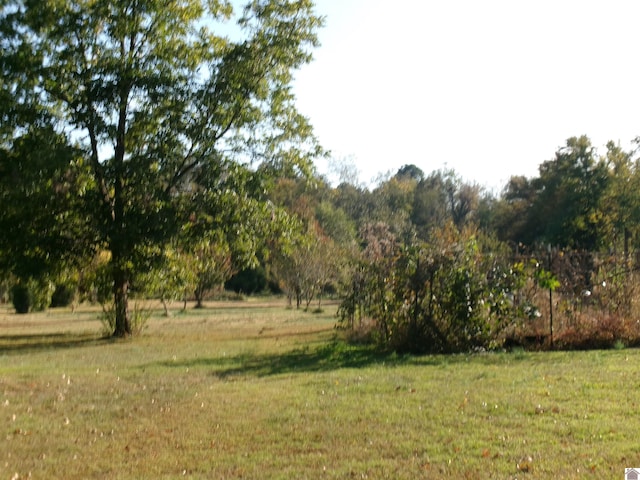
{"x":253,"y":390}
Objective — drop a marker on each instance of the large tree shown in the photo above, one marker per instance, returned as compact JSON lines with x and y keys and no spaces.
{"x":568,"y":206}
{"x":161,"y":107}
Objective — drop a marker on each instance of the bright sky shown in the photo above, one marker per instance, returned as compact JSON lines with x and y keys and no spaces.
{"x":490,"y":88}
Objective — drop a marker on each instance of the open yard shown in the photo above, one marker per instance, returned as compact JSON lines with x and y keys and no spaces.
{"x":253,"y":390}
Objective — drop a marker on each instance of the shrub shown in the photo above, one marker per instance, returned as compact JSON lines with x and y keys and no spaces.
{"x":63,"y":295}
{"x":139,"y":318}
{"x":21,"y":298}
{"x":452,"y":294}
{"x":598,"y":331}
{"x":31,"y":295}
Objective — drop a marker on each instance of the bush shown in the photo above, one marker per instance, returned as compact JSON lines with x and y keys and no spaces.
{"x":598,"y":332}
{"x":139,"y":318}
{"x":452,"y":294}
{"x":31,"y":295}
{"x":63,"y":295}
{"x":21,"y":298}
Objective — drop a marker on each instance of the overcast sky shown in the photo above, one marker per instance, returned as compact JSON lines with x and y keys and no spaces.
{"x":490,"y":88}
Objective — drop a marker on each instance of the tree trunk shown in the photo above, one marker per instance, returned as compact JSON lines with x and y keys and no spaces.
{"x":298,"y":298}
{"x":627,"y":238}
{"x":199,"y":294}
{"x":165,"y":305}
{"x":121,"y":302}
{"x":120,"y":248}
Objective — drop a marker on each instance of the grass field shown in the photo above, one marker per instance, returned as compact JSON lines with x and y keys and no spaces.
{"x":252,"y":390}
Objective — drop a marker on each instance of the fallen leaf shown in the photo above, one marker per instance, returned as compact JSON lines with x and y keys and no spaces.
{"x":525,"y":464}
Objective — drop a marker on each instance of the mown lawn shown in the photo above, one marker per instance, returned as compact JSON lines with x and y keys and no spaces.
{"x":253,"y":390}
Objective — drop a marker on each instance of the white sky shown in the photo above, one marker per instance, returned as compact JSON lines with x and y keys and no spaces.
{"x":490,"y":88}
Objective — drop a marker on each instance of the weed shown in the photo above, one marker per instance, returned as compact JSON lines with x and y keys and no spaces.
{"x":139,"y":317}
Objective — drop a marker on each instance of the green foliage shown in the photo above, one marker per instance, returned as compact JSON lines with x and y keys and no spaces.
{"x":335,"y":223}
{"x":163,"y":112}
{"x":171,"y":278}
{"x":566,"y":205}
{"x":570,"y":189}
{"x":212,"y":266}
{"x":102,"y":286}
{"x":452,"y":294}
{"x":63,"y":295}
{"x":31,"y":295}
{"x":546,"y":279}
{"x":443,"y":197}
{"x":21,"y":298}
{"x":43,"y":182}
{"x":248,"y":281}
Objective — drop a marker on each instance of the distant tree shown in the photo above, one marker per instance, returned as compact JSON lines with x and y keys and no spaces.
{"x":297,"y":196}
{"x":568,"y":205}
{"x":212,"y":266}
{"x":356,"y":201}
{"x":288,"y":268}
{"x":335,"y":223}
{"x":513,"y":217}
{"x":175,"y":278}
{"x":444,"y":197}
{"x":297,"y":268}
{"x":410,"y":172}
{"x":393,"y":203}
{"x":429,"y":208}
{"x":160,"y":107}
{"x":621,"y":200}
{"x":463,"y":202}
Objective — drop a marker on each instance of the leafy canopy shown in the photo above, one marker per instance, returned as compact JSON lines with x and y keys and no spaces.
{"x":159,"y":106}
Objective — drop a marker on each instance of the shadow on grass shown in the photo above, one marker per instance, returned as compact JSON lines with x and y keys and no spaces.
{"x":332,"y":356}
{"x":326,"y":357}
{"x":10,"y":344}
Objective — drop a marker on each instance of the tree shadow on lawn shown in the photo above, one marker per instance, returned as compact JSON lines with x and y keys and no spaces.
{"x":331,"y":356}
{"x":13,"y":344}
{"x":326,"y":357}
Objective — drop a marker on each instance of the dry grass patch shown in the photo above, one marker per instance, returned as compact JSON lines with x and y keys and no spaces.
{"x":254,"y":390}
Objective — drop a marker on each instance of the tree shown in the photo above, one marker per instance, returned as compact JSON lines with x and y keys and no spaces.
{"x":212,"y":267}
{"x":443,"y":197}
{"x":42,"y":181}
{"x":160,"y":106}
{"x":174,"y":279}
{"x":335,"y":223}
{"x":569,"y":200}
{"x":410,"y":171}
{"x":429,"y":204}
{"x":621,"y":200}
{"x":513,"y":212}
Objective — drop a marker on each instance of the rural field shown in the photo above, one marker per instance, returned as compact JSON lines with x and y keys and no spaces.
{"x":253,"y":390}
